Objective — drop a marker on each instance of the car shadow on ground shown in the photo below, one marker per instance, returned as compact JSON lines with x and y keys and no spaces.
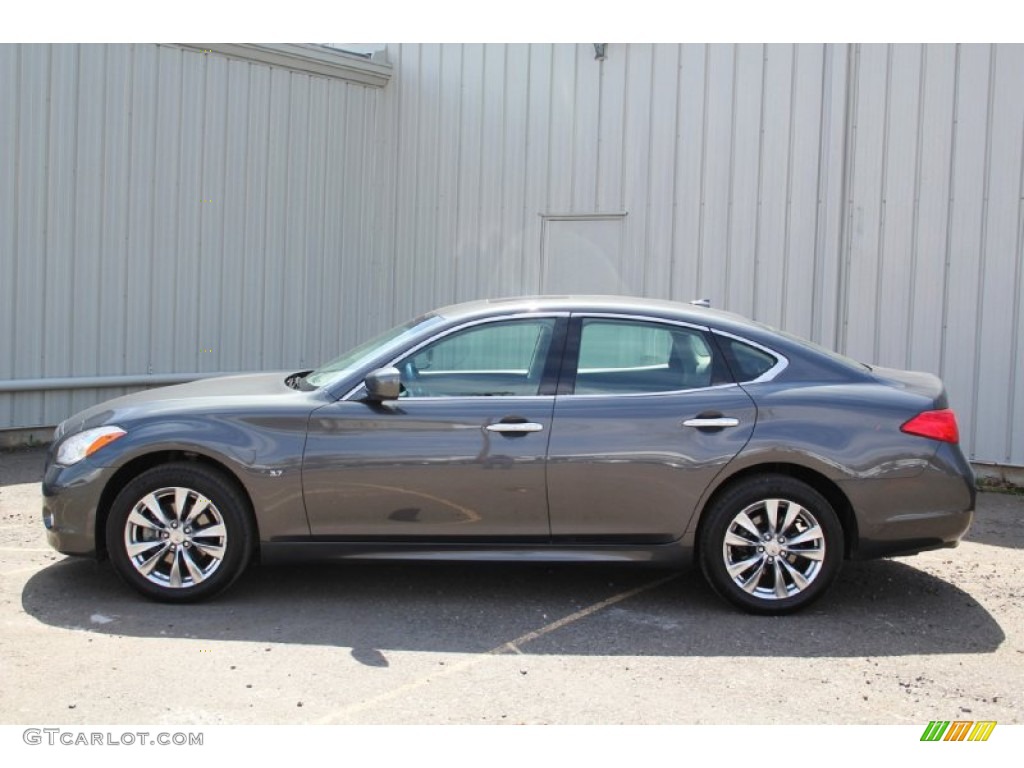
{"x":880,"y":608}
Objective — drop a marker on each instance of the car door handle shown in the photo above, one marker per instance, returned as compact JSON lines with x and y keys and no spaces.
{"x":515,"y":428}
{"x":712,"y":423}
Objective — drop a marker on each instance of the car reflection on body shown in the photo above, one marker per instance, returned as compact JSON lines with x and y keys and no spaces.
{"x":541,"y":428}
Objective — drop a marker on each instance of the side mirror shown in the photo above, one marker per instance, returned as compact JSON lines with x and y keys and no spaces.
{"x":383,"y":384}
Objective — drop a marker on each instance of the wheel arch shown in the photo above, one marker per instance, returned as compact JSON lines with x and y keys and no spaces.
{"x":816,"y":480}
{"x":147,"y":461}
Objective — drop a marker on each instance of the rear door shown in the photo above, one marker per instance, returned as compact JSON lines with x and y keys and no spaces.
{"x":646,"y":416}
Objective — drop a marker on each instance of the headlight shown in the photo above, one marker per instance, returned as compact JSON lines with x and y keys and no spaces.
{"x":86,"y":443}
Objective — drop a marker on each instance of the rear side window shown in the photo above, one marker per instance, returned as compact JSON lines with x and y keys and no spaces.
{"x":747,"y":362}
{"x":631,"y":357}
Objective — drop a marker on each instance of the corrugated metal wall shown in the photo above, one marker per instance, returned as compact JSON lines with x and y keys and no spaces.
{"x":934,"y":221}
{"x":868,"y":197}
{"x":716,"y":155}
{"x":164,"y":210}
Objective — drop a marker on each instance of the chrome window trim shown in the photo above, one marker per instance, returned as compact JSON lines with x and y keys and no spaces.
{"x":642,"y":318}
{"x":350,"y":395}
{"x":781,"y":361}
{"x":663,"y":393}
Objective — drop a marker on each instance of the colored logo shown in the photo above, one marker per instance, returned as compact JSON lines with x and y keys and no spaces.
{"x":958,"y":730}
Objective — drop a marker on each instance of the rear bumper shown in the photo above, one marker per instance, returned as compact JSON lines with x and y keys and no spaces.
{"x":903,"y":516}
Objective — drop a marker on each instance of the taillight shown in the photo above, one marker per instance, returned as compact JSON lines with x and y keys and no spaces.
{"x":938,"y":425}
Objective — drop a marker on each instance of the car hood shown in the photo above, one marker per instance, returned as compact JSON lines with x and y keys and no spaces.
{"x":196,"y":396}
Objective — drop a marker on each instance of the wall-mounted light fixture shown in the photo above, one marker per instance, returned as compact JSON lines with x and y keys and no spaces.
{"x":600,"y":50}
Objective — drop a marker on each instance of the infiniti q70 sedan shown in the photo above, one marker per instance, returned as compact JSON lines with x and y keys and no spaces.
{"x":538,"y":429}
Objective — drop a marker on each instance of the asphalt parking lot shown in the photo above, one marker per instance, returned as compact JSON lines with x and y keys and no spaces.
{"x":903,"y":641}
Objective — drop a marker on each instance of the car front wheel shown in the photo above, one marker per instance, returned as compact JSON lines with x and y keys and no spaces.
{"x":179,"y":533}
{"x":771,"y":544}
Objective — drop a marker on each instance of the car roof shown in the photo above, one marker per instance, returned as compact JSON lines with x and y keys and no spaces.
{"x":629,"y":305}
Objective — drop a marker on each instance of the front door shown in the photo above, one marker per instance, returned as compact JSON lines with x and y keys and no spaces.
{"x":460,"y":455}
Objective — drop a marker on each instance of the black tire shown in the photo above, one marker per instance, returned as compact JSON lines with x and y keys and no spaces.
{"x":785,"y":572}
{"x":190,"y":537}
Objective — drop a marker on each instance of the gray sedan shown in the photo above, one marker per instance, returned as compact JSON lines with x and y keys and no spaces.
{"x":543,"y":429}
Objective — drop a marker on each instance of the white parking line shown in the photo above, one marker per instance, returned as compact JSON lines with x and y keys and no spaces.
{"x":512,"y":646}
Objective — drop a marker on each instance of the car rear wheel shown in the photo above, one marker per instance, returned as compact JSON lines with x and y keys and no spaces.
{"x":771,"y":544}
{"x":179,"y":533}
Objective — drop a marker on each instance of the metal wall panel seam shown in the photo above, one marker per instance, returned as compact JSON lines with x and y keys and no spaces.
{"x":574,"y":128}
{"x":699,"y":287}
{"x":391,"y":243}
{"x":45,"y":219}
{"x":187,"y":216}
{"x":623,"y":165}
{"x":849,"y":169}
{"x":916,"y":213}
{"x":821,"y":194}
{"x":954,"y":140}
{"x":790,"y":160}
{"x":267,"y":189}
{"x":731,"y":195}
{"x":77,"y":256}
{"x":411,"y":247}
{"x":324,"y":229}
{"x":150,"y":166}
{"x":243,"y":222}
{"x":755,"y":305}
{"x":599,"y":119}
{"x":221,"y":304}
{"x":14,"y":206}
{"x":503,"y":121}
{"x":982,"y":251}
{"x":674,"y":208}
{"x":525,"y":249}
{"x":101,"y":255}
{"x":58,"y":279}
{"x":517,"y":103}
{"x":129,"y":201}
{"x":645,"y":253}
{"x":882,"y":206}
{"x":836,"y":156}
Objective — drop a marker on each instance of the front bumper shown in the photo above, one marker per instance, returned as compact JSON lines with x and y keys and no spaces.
{"x":71,"y":499}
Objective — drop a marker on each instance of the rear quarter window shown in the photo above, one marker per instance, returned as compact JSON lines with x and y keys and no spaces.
{"x":747,"y":362}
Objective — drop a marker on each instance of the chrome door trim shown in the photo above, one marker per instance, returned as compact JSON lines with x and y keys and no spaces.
{"x":515,"y":428}
{"x":721,"y":421}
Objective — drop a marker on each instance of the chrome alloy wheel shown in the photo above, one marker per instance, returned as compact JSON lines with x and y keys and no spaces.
{"x":175,"y":537}
{"x":774,"y":549}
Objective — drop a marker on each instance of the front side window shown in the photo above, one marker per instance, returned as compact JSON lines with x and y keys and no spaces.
{"x":632,"y":357}
{"x":493,"y":360}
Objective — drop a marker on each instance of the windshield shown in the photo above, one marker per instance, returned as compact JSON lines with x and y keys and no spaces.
{"x":361,"y":356}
